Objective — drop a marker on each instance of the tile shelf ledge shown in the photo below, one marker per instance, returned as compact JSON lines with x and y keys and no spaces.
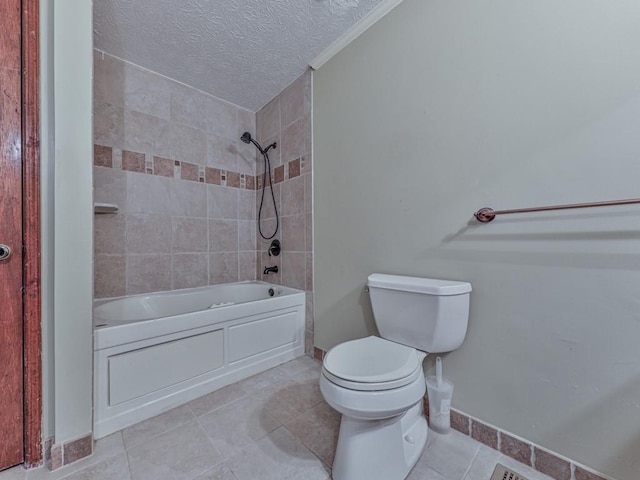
{"x":101,"y":208}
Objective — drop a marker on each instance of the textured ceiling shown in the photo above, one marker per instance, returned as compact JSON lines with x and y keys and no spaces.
{"x":244,"y":51}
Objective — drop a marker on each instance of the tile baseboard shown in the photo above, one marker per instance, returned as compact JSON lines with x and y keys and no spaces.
{"x":520,"y":449}
{"x":58,"y":455}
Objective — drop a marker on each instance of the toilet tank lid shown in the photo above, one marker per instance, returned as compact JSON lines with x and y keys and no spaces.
{"x":430,"y":286}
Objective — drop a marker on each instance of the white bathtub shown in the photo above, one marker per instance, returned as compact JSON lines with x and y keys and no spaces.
{"x":156,"y":351}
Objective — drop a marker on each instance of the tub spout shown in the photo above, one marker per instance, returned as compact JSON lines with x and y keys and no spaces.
{"x":268,"y":270}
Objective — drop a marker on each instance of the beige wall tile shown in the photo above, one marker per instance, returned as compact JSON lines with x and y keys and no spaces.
{"x":109,"y":234}
{"x":309,"y":272}
{"x":110,"y":186}
{"x":293,"y":141}
{"x":223,"y":268}
{"x":222,"y":202}
{"x":293,"y":269}
{"x":246,"y":235}
{"x":267,"y":207}
{"x":292,"y":102}
{"x":108,"y":124}
{"x":108,"y":79}
{"x":204,"y":112}
{"x":308,"y":225}
{"x":222,"y":152}
{"x":187,"y":144}
{"x":189,"y":270}
{"x":293,"y":233}
{"x":148,"y":273}
{"x":190,"y":235}
{"x":148,"y":193}
{"x":293,"y":196}
{"x":308,"y":193}
{"x":267,"y":261}
{"x":146,"y":133}
{"x":247,"y":266}
{"x":246,"y":122}
{"x":223,"y":235}
{"x":146,"y":92}
{"x":109,"y":275}
{"x":148,"y":234}
{"x":268,"y":120}
{"x":188,"y":199}
{"x":246,"y":205}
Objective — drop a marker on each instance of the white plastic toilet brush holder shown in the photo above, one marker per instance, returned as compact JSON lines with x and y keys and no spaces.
{"x":440,"y":392}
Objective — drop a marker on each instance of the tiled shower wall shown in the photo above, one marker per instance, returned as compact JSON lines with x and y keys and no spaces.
{"x":170,"y":157}
{"x":287,"y":121}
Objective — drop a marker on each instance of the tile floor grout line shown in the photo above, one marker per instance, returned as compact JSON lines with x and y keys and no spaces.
{"x":126,"y":455}
{"x":245,"y":395}
{"x":464,"y":476}
{"x":153,"y":437}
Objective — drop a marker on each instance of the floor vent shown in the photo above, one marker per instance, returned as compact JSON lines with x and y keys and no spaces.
{"x":503,"y":473}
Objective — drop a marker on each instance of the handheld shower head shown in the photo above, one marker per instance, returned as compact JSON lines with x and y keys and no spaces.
{"x":246,"y":137}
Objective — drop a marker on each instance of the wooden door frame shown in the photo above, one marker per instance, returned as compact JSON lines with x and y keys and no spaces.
{"x":32,"y":325}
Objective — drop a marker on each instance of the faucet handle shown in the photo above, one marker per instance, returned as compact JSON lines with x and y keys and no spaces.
{"x":274,"y":248}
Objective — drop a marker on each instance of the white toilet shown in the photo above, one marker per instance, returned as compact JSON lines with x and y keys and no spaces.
{"x":377,"y":384}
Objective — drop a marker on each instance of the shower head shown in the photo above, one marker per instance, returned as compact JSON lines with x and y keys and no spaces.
{"x":246,"y":137}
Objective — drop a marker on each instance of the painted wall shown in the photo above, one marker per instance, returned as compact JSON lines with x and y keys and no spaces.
{"x":73,"y":226}
{"x":444,"y":107}
{"x":286,"y":120}
{"x":171,"y":158}
{"x":47,"y":182}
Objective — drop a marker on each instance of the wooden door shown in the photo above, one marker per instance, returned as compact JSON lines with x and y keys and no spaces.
{"x":11,"y":281}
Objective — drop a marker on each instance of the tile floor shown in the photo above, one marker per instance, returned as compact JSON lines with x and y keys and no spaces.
{"x":273,"y":426}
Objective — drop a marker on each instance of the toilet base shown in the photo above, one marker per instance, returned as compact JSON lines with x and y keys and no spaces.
{"x":380,"y":449}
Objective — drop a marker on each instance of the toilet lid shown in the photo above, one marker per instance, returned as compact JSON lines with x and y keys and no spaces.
{"x":373,"y":360}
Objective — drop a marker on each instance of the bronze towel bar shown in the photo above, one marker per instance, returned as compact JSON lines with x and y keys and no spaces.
{"x":485,"y":215}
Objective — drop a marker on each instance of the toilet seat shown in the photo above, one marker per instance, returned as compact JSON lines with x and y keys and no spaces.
{"x":372,"y":363}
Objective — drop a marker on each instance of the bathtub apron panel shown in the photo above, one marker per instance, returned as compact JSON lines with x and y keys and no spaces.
{"x":145,"y":366}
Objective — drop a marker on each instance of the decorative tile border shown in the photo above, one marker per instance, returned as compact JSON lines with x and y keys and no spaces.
{"x":544,"y":461}
{"x":109,"y":157}
{"x":61,"y":454}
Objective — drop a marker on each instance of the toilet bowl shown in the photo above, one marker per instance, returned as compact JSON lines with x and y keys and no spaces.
{"x":378,"y":384}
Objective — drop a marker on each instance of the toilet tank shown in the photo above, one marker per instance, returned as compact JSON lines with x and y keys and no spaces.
{"x":428,"y":314}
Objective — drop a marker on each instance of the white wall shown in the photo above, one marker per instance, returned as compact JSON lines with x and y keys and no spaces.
{"x":444,"y":107}
{"x":73,"y":226}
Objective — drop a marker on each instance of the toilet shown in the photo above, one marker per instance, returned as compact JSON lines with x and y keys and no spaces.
{"x":377,"y":383}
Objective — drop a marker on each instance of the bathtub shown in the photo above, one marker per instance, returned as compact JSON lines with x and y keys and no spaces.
{"x":156,"y":351}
